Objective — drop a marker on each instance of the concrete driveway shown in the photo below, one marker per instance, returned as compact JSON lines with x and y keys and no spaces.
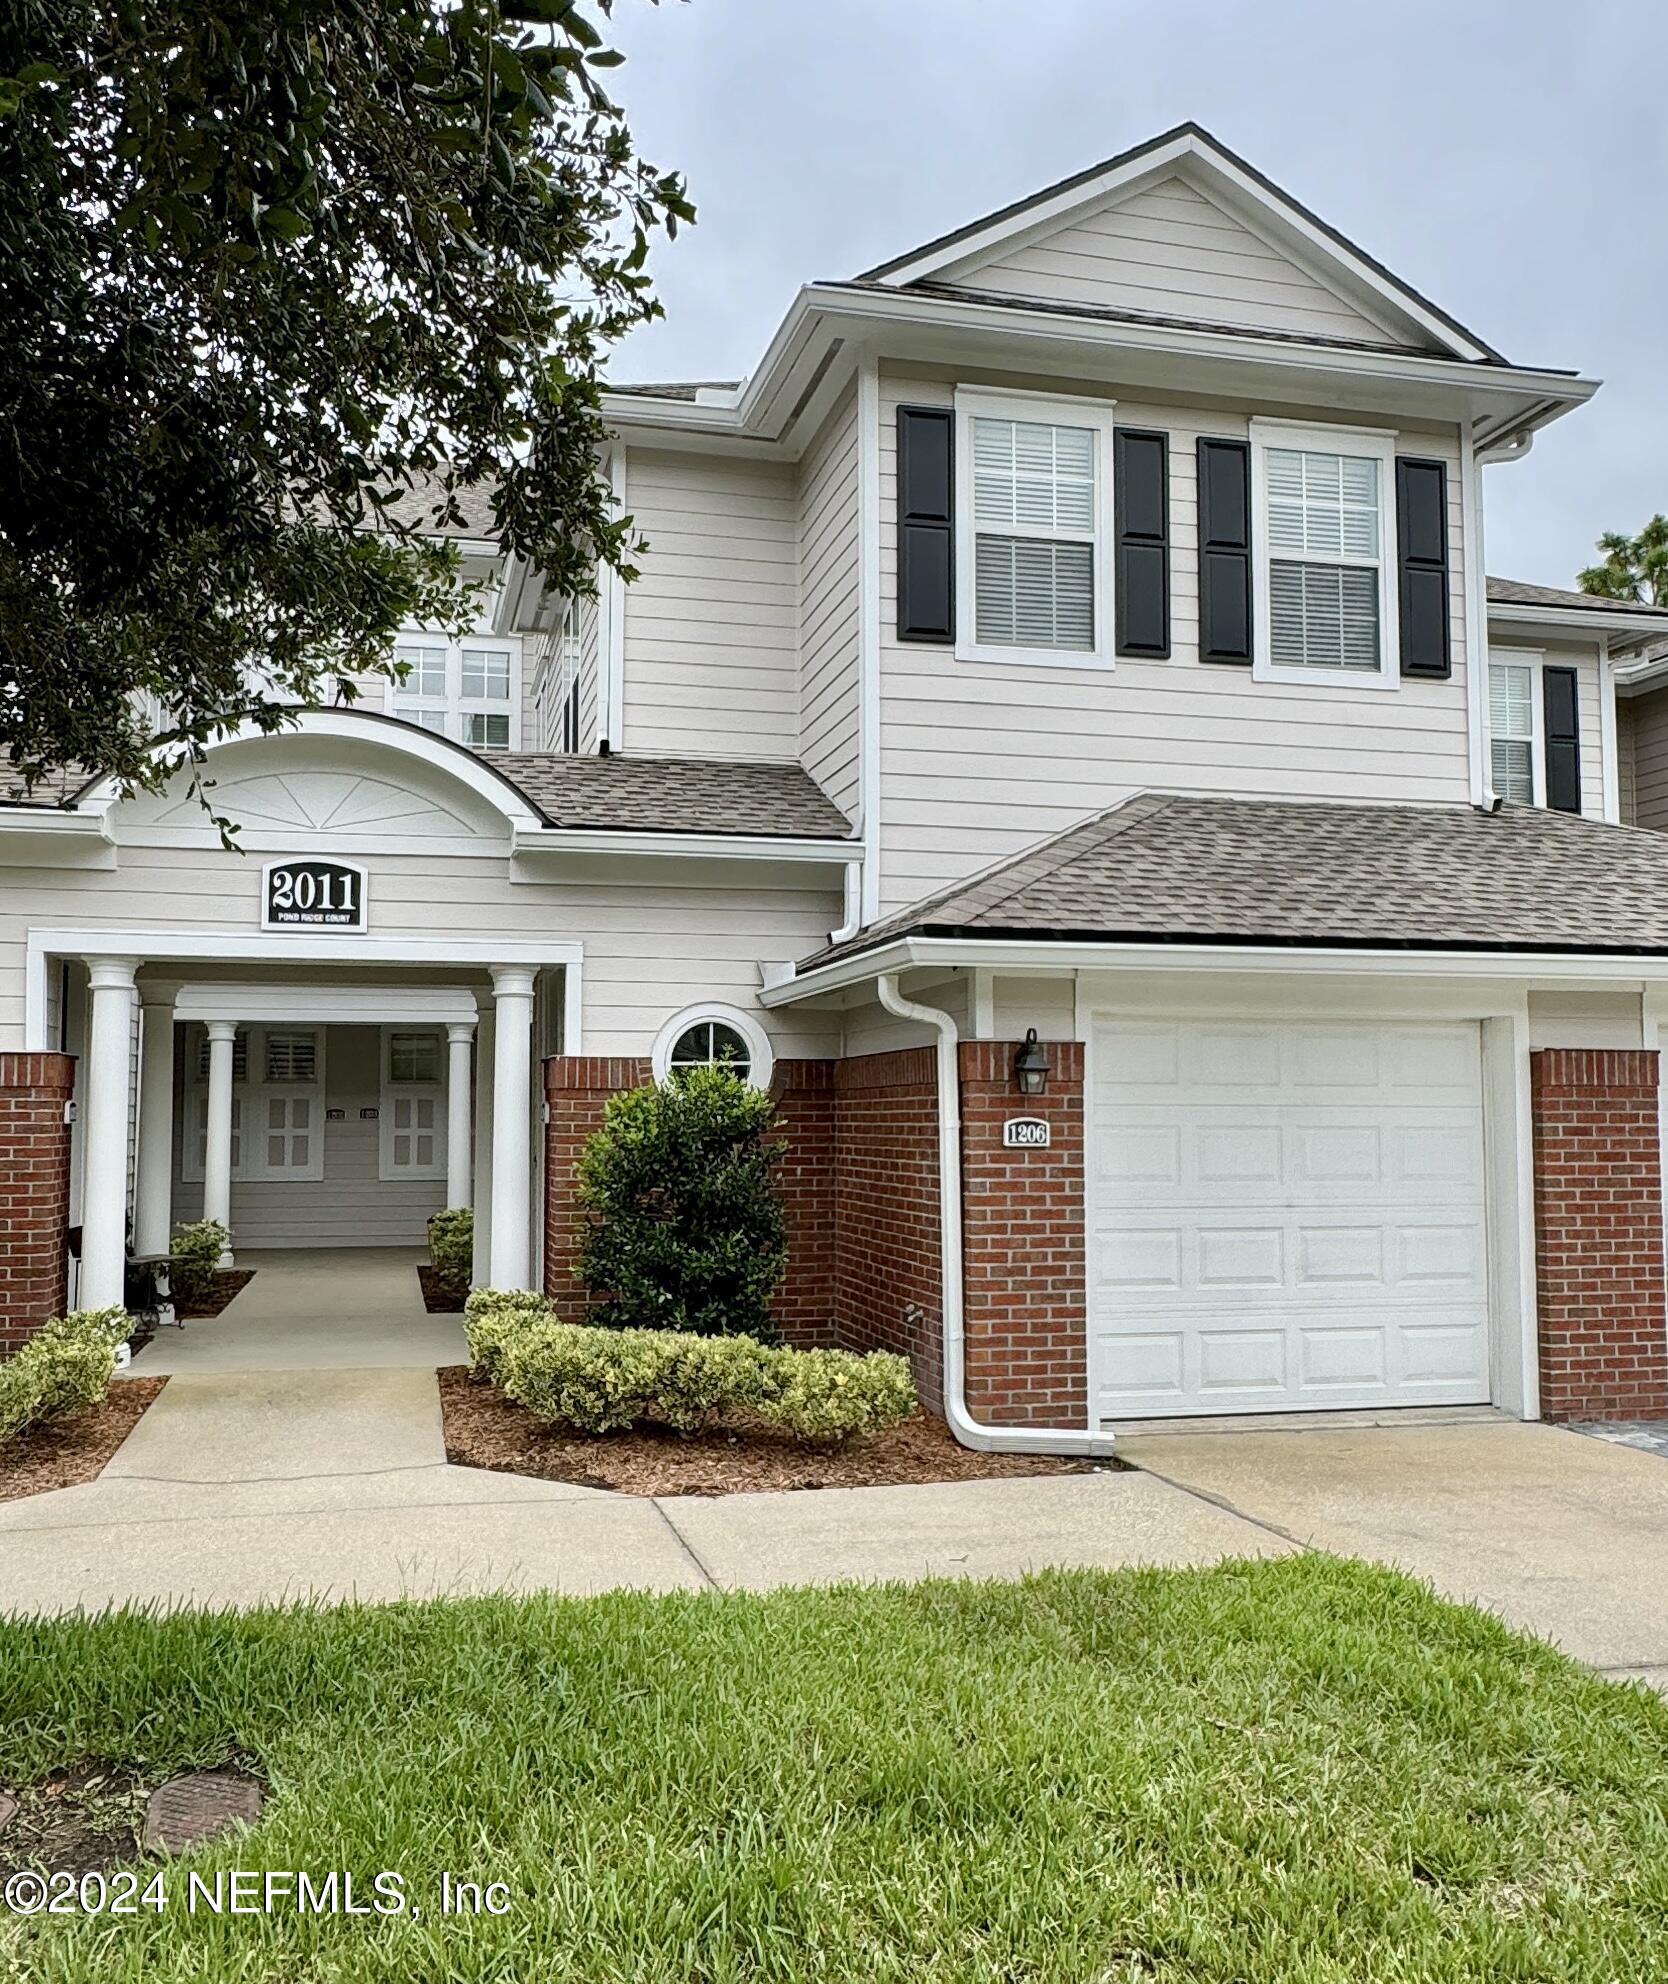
{"x":1561,"y":1534}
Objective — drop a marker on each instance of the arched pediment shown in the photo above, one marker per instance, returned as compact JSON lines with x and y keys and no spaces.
{"x":342,"y":780}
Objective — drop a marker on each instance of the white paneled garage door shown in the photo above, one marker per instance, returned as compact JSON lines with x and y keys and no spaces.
{"x":1286,"y":1216}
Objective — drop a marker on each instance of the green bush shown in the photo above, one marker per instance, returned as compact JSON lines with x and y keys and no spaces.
{"x":64,"y":1366}
{"x":452,"y":1245}
{"x":685,"y":1227}
{"x":490,"y":1315}
{"x":601,"y":1380}
{"x":193,"y":1255}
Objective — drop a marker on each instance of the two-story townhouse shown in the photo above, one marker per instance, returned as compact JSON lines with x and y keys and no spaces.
{"x":1057,"y":742}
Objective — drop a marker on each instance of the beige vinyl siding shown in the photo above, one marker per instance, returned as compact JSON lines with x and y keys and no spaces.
{"x":350,"y":1206}
{"x":980,"y":759}
{"x":1648,"y":721}
{"x":1585,"y":1019}
{"x":590,"y":672}
{"x":1171,"y":252}
{"x":712,"y":623}
{"x":1626,"y":790}
{"x":829,"y":566}
{"x":672,"y":934}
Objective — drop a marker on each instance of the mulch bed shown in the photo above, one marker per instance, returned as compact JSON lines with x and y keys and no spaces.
{"x":440,"y":1298}
{"x":227,"y":1283}
{"x":63,"y":1453}
{"x":81,"y":1820}
{"x":485,"y":1429}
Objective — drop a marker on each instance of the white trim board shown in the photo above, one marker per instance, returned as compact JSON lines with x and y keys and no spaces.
{"x":329,"y":1005}
{"x":151,"y":946}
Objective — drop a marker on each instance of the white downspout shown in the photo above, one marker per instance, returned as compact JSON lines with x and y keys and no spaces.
{"x":969,"y":1431}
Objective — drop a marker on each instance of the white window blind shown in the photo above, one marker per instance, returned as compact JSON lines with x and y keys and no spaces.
{"x":1511,"y":726}
{"x":1034,"y":511}
{"x":240,"y":1057}
{"x":1325,"y":543}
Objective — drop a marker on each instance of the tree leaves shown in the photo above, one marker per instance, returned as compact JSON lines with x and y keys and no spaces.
{"x":1634,"y":567}
{"x":274,"y":278}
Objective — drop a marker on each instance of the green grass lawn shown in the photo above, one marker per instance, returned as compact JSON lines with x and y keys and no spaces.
{"x":1299,"y":1771}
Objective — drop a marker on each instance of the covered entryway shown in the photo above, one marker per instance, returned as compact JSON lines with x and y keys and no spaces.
{"x":314,"y":1309}
{"x":1286,"y":1215}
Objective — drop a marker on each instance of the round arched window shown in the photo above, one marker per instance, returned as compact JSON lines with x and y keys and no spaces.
{"x":714,"y":1038}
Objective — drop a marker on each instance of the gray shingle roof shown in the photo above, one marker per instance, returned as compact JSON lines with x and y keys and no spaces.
{"x":1163,"y":868}
{"x":1518,"y":592}
{"x":674,"y":795}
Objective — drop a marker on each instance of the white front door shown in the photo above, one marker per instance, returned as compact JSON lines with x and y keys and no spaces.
{"x":1286,"y":1216}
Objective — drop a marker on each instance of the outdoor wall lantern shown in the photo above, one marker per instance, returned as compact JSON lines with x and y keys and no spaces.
{"x":1031,"y":1065}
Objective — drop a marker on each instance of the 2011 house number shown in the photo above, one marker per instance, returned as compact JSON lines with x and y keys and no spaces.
{"x":1027,"y":1133}
{"x":313,"y":895}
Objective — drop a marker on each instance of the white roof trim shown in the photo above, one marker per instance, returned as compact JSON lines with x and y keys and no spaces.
{"x":1218,"y":170}
{"x":403,"y":739}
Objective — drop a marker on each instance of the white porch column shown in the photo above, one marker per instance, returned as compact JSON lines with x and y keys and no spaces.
{"x":459,"y":1113}
{"x":480,"y":1273}
{"x":153,"y":1193}
{"x":217,"y":1144}
{"x":512,"y":1153}
{"x":104,"y":1132}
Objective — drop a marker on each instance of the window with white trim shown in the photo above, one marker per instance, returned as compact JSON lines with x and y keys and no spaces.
{"x":277,"y":1106}
{"x":1033,"y":556}
{"x":413,"y":1105}
{"x":714,"y":1037}
{"x":466,"y":690}
{"x":1517,"y":767}
{"x":1326,"y":572}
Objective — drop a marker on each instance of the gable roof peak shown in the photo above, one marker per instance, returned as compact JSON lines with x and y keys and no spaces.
{"x":1199,"y":155}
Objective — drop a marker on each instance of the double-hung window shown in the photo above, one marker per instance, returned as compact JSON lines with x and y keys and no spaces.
{"x":1517,"y":763}
{"x":466,"y":690}
{"x":1033,"y":552}
{"x":1324,"y":505}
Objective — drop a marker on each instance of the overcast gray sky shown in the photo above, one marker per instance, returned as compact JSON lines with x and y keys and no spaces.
{"x":1507,"y":160}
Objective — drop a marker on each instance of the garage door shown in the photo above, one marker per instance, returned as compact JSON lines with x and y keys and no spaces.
{"x":1286,"y":1216}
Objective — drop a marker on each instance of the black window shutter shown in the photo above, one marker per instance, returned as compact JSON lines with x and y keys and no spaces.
{"x":1225,"y":551}
{"x":1563,"y":740}
{"x":1141,"y":509}
{"x":926,"y":524}
{"x":1422,"y":549}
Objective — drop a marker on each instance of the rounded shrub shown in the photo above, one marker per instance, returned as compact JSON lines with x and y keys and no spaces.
{"x":452,"y":1245}
{"x":684,"y":1229}
{"x":193,"y":1255}
{"x":66,"y":1365}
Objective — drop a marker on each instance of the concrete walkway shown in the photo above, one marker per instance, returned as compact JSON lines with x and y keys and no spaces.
{"x":1560,"y":1534}
{"x":243,"y":1487}
{"x":313,"y":1309}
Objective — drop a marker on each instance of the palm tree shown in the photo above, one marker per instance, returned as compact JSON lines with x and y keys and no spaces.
{"x":1634,"y":567}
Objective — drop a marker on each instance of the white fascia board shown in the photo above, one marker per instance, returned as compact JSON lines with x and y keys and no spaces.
{"x":55,"y":823}
{"x":1643,"y":625}
{"x":342,"y":1005}
{"x":1037,"y":956}
{"x":1525,"y":396}
{"x":728,"y":847}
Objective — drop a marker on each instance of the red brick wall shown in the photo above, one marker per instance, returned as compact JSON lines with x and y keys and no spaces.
{"x":576,"y":1090}
{"x":1022,"y":1242}
{"x":1598,"y":1228}
{"x":804,"y":1302}
{"x":887,"y":1293}
{"x":34,"y":1191}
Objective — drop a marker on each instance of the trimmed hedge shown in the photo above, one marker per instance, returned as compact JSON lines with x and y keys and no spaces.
{"x":602,"y":1380}
{"x":193,"y":1255}
{"x":65,"y":1365}
{"x":452,"y":1245}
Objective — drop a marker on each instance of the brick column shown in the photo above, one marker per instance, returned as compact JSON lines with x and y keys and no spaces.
{"x":34,"y":1191}
{"x":576,"y":1089}
{"x":1022,"y":1242}
{"x":804,"y":1302}
{"x":887,"y":1289}
{"x":1598,"y":1234}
